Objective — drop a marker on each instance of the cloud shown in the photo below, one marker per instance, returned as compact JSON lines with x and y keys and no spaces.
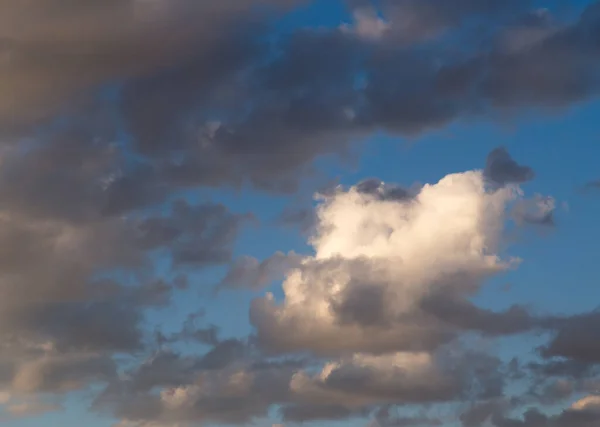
{"x":501,"y":169}
{"x":367,"y":24}
{"x":384,"y":418}
{"x":593,"y":184}
{"x":250,"y":273}
{"x":184,"y":95}
{"x":306,"y":413}
{"x":575,"y":338}
{"x":235,"y":394}
{"x":30,"y":409}
{"x":113,"y":112}
{"x":62,"y":374}
{"x":376,"y":260}
{"x":537,"y":211}
{"x":479,"y":413}
{"x":589,"y":403}
{"x":567,"y":418}
{"x":400,"y":378}
{"x":49,"y":58}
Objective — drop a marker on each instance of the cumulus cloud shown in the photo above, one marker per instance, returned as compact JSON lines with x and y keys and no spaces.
{"x":376,"y":259}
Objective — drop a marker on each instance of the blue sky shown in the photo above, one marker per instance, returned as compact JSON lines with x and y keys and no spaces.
{"x":240,"y":137}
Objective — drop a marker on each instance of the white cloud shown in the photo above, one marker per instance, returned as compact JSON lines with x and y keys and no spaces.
{"x":445,"y":238}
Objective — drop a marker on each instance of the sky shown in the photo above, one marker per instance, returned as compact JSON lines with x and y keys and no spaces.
{"x":279,"y":213}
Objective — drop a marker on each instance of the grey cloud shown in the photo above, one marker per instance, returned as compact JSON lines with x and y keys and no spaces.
{"x":561,"y":368}
{"x":534,"y":418}
{"x":382,"y":191}
{"x":306,"y":98}
{"x":479,"y":413}
{"x":163,"y":369}
{"x":250,"y":273}
{"x":502,"y":169}
{"x":556,"y":379}
{"x":537,"y":211}
{"x":593,"y":184}
{"x":307,"y":413}
{"x":576,"y":338}
{"x":383,"y":417}
{"x":91,"y":326}
{"x":301,"y":217}
{"x":167,"y":368}
{"x":557,"y":391}
{"x":62,"y":373}
{"x":364,"y":306}
{"x":465,"y":315}
{"x":194,"y":235}
{"x":111,"y":40}
{"x":323,"y":102}
{"x":191,"y":332}
{"x":235,"y":395}
{"x":50,"y":275}
{"x":223,"y":354}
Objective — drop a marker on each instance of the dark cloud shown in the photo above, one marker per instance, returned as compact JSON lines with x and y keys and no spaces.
{"x":191,"y":332}
{"x":233,"y":395}
{"x":250,"y":273}
{"x":479,"y":413}
{"x":384,"y":418}
{"x":305,"y":100}
{"x":305,"y":413}
{"x":377,"y":188}
{"x":59,"y":50}
{"x":502,"y":169}
{"x":467,"y":316}
{"x":556,"y":391}
{"x":572,"y":369}
{"x":51,"y":276}
{"x":576,"y":338}
{"x":194,"y":235}
{"x":593,"y":184}
{"x":297,"y":217}
{"x":223,"y":354}
{"x":364,"y":306}
{"x":534,"y":418}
